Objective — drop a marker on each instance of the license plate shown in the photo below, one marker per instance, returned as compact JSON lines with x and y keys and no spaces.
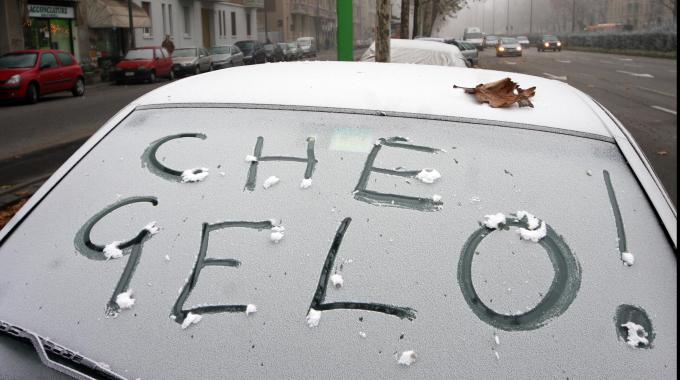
{"x":129,"y":74}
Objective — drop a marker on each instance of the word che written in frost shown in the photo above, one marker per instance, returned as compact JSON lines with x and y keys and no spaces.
{"x":559,"y":297}
{"x":361,"y":192}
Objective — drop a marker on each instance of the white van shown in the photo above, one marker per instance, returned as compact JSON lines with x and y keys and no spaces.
{"x":308,"y":46}
{"x":474,"y":35}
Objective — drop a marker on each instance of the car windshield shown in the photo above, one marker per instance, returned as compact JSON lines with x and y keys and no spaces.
{"x":508,"y":41}
{"x":305,"y":42}
{"x":18,"y":60}
{"x":269,"y":48}
{"x":522,"y":38}
{"x":220,"y":50}
{"x":292,"y":45}
{"x":245,"y":45}
{"x":187,"y":52}
{"x":139,"y":54}
{"x":390,"y":256}
{"x":549,"y":38}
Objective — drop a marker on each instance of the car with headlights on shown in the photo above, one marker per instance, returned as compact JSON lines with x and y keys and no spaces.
{"x":25,"y":75}
{"x":226,"y":56}
{"x":508,"y":47}
{"x":191,"y":61}
{"x":144,"y":64}
{"x":357,"y":220}
{"x":549,"y":42}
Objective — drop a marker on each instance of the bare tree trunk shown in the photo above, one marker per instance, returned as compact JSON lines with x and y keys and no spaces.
{"x":416,"y":18}
{"x":405,"y":13}
{"x":382,"y":39}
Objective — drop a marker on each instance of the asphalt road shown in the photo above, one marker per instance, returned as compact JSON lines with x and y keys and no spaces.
{"x":641,"y":92}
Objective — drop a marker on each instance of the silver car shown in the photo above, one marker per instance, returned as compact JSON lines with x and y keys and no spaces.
{"x":508,"y":47}
{"x":226,"y":56}
{"x":469,"y":51}
{"x":191,"y":61}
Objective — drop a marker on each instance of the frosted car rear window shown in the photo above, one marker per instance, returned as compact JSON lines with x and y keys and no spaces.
{"x":352,"y":258}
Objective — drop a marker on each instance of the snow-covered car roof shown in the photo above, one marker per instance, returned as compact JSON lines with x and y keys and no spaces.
{"x":419,"y":52}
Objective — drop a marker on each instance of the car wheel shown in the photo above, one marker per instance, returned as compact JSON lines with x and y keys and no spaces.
{"x":197,"y":70}
{"x":32,"y":93}
{"x":152,"y":77}
{"x":78,"y":88}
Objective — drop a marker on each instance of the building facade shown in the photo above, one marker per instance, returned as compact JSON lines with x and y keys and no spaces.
{"x":97,"y":29}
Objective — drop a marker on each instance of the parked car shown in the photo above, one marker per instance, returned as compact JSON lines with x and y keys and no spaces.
{"x":308,"y":46}
{"x":469,"y":51}
{"x":191,"y":61}
{"x":490,"y":41}
{"x":28,"y":74}
{"x":226,"y":56}
{"x":253,"y":52}
{"x":523,"y":40}
{"x":508,"y":47}
{"x":274,"y":52}
{"x":144,"y":64}
{"x":289,"y":51}
{"x":376,"y":276}
{"x":474,"y":36}
{"x":420,"y":52}
{"x":549,"y":42}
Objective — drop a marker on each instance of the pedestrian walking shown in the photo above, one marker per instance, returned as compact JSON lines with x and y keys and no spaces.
{"x":168,"y":45}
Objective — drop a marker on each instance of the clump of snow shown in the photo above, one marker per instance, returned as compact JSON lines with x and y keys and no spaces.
{"x":306,"y":183}
{"x":534,"y":235}
{"x":313,"y":318}
{"x":276,"y":234}
{"x":493,"y":221}
{"x":532,"y":221}
{"x":498,"y":357}
{"x":191,"y":319}
{"x":475,"y":199}
{"x":362,"y":334}
{"x":250,"y":158}
{"x":194,"y":175}
{"x":271,"y":181}
{"x":628,"y":258}
{"x":337,"y":280}
{"x":167,"y":257}
{"x":407,"y":358}
{"x":436,"y":198}
{"x":637,"y":336}
{"x":428,"y":175}
{"x":251,"y":309}
{"x":497,"y":339}
{"x":124,"y":300}
{"x":590,"y":173}
{"x":111,"y":250}
{"x":536,"y":230}
{"x":152,"y":228}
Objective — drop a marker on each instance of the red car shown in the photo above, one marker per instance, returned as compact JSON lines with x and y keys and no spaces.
{"x":144,"y":64}
{"x":28,"y":74}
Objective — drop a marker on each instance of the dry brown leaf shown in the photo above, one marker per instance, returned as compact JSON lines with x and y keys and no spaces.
{"x":502,"y":93}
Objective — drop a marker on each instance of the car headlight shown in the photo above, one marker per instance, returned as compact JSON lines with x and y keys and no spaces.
{"x":519,"y":48}
{"x":547,"y":44}
{"x":559,"y":43}
{"x":501,"y":48}
{"x":14,"y":80}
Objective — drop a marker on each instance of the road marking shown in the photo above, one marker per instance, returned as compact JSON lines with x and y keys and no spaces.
{"x":509,"y":63}
{"x":656,"y":91}
{"x":561,"y":61}
{"x":626,"y":59}
{"x":551,"y":76}
{"x":665,"y":110}
{"x":635,"y":74}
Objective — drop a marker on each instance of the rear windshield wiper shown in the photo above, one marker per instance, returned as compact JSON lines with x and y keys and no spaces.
{"x":58,"y":357}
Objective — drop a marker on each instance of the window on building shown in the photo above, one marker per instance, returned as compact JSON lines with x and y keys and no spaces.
{"x":248,"y":21}
{"x":165,"y":29}
{"x":147,"y":32}
{"x":187,"y":21}
{"x":233,"y":23}
{"x":224,"y":21}
{"x":170,"y":28}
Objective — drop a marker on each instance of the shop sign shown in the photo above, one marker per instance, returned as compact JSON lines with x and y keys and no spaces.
{"x":49,"y":11}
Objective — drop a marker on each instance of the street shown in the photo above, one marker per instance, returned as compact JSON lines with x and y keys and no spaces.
{"x":640,"y":92}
